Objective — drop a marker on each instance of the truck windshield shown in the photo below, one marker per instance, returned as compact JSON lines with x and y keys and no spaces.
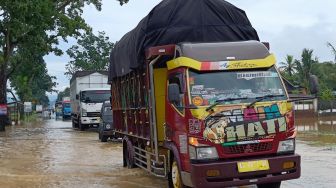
{"x":95,"y":96}
{"x":207,"y":88}
{"x":66,"y":105}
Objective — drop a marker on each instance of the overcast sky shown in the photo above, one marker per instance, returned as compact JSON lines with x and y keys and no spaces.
{"x":289,"y":26}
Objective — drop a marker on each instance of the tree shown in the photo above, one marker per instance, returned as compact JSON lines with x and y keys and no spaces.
{"x":31,"y":81}
{"x":326,"y":72}
{"x":37,"y":26}
{"x":333,"y":50}
{"x":64,"y":93}
{"x":304,"y":67}
{"x":288,"y":67}
{"x":91,"y":53}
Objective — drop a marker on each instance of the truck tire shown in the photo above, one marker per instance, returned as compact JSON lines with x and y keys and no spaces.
{"x":128,"y":157}
{"x":174,"y":176}
{"x":270,"y":185}
{"x":102,"y":138}
{"x":80,"y":125}
{"x":73,"y":124}
{"x":124,"y":153}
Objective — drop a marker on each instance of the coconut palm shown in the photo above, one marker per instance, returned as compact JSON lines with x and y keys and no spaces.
{"x":304,"y":66}
{"x":289,"y":66}
{"x":333,"y":49}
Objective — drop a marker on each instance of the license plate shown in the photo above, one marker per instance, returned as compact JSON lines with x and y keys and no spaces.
{"x":252,"y":166}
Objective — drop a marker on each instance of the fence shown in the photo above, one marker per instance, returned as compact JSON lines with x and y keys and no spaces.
{"x":327,"y":107}
{"x":306,"y":108}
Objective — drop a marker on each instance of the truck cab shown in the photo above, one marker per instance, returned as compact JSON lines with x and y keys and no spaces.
{"x":229,"y":116}
{"x":66,"y":110}
{"x":238,"y":123}
{"x":90,"y":103}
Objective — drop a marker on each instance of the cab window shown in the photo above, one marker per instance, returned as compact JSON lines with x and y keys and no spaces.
{"x":178,"y":79}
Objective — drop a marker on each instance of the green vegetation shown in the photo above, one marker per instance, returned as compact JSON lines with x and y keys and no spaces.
{"x":298,"y":71}
{"x":35,"y":28}
{"x":91,"y":53}
{"x":31,"y":80}
{"x":33,"y":117}
{"x":64,"y":93}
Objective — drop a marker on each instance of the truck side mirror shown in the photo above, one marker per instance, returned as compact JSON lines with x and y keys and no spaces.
{"x":77,"y":97}
{"x":314,"y":84}
{"x":174,"y":93}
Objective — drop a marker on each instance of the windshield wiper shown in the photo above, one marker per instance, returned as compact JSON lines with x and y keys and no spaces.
{"x":258,"y":99}
{"x":224,"y":100}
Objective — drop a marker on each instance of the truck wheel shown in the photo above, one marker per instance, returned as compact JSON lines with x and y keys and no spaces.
{"x":174,"y":177}
{"x":74,"y":125}
{"x":103,"y":138}
{"x":129,"y":159}
{"x":270,"y":185}
{"x":99,"y":135}
{"x":124,"y":154}
{"x":80,"y":125}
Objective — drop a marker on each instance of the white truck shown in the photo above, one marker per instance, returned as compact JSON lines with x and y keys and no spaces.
{"x":88,"y":91}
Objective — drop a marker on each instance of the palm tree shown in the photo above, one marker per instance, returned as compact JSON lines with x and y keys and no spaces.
{"x":304,"y":66}
{"x":289,"y":66}
{"x":333,"y":49}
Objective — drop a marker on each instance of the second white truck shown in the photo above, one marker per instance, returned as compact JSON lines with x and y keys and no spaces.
{"x":88,"y":91}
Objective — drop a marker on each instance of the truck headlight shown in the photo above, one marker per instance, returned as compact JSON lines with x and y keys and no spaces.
{"x":84,"y":113}
{"x":192,"y":152}
{"x":201,"y":153}
{"x":286,"y":146}
{"x":108,"y":126}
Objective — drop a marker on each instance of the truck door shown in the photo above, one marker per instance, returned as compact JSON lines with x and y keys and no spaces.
{"x":176,"y":129}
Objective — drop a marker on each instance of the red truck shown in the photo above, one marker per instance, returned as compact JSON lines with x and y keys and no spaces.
{"x":213,"y":113}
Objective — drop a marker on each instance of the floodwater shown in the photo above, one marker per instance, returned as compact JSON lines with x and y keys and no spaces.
{"x":52,"y":154}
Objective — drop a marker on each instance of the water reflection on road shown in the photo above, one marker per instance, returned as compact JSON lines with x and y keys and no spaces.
{"x":52,"y":154}
{"x":316,"y":143}
{"x":319,"y":131}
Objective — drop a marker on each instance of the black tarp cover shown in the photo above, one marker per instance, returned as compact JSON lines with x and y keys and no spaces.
{"x":175,"y":21}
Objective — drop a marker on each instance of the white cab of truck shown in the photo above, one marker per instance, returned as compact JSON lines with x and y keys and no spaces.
{"x":88,"y":91}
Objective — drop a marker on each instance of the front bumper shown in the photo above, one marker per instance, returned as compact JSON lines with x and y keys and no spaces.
{"x":229,"y":175}
{"x":90,"y":120}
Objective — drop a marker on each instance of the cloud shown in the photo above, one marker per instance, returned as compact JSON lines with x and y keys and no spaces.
{"x":289,"y":26}
{"x":299,"y":38}
{"x":117,"y":20}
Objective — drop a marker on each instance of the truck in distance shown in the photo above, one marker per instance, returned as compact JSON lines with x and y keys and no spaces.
{"x":66,"y":108}
{"x":88,"y":91}
{"x":105,"y":129}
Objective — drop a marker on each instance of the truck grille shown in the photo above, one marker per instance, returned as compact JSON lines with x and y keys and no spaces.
{"x":249,"y":148}
{"x":93,"y":114}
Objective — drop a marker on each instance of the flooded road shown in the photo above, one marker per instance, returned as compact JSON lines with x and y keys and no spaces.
{"x":55,"y":155}
{"x":52,"y":154}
